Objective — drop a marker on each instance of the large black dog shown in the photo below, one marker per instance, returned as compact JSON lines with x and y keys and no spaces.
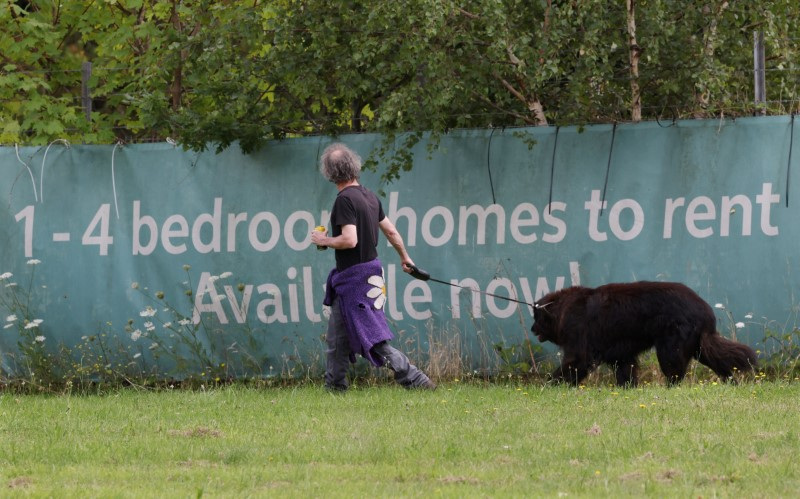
{"x":613,"y":324}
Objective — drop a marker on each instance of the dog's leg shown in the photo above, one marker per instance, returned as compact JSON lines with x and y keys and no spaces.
{"x":627,"y":373}
{"x":572,"y":370}
{"x":673,"y":362}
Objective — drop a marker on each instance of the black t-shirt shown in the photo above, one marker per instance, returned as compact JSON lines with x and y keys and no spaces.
{"x":357,"y":205}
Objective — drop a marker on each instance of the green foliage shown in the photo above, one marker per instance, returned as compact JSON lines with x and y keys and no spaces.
{"x":209,"y":73}
{"x":163,"y":343}
{"x":19,"y":314}
{"x":517,"y":359}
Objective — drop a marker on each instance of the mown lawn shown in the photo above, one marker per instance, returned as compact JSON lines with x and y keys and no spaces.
{"x":698,"y":440}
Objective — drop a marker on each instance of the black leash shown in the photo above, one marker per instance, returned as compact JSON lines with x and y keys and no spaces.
{"x":420,"y":274}
{"x":789,"y":164}
{"x":552,"y":170}
{"x":608,"y":167}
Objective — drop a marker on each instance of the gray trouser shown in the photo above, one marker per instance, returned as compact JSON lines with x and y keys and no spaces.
{"x":338,"y":356}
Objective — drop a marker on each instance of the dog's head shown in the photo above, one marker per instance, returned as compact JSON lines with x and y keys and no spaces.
{"x":545,"y":319}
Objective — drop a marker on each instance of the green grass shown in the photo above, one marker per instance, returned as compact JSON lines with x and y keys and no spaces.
{"x":462,"y":440}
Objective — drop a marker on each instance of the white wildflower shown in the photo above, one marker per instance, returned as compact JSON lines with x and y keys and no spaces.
{"x":11,"y":284}
{"x":153,"y":346}
{"x":40,"y":339}
{"x":213,"y":278}
{"x":739,"y":325}
{"x":137,"y":355}
{"x":6,"y":275}
{"x":748,"y":316}
{"x":225,"y":275}
{"x":149,"y":326}
{"x":720,"y":306}
{"x":11,"y":318}
{"x":167,"y":325}
{"x":134,"y":285}
{"x":33,"y":324}
{"x":185,"y":322}
{"x":10,"y":324}
{"x":136,"y":335}
{"x":148,"y":312}
{"x":33,"y":261}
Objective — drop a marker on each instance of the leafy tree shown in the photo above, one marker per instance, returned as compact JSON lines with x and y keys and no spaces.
{"x":210,"y":73}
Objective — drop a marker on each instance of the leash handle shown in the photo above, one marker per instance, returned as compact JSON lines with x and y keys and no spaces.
{"x":418,"y":273}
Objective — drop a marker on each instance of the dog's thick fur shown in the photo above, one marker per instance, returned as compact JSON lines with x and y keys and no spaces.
{"x":613,"y":324}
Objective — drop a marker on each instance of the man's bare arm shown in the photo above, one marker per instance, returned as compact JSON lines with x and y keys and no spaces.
{"x":346,"y":240}
{"x":396,"y":240}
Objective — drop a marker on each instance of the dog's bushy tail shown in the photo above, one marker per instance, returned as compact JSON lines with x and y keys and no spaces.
{"x":726,"y":356}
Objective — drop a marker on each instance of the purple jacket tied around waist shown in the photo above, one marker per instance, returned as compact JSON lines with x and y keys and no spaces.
{"x":361,"y":304}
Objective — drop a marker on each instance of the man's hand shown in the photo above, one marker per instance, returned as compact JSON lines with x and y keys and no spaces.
{"x":317,"y":237}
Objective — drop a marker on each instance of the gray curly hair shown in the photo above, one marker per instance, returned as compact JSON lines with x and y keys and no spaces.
{"x":339,"y":163}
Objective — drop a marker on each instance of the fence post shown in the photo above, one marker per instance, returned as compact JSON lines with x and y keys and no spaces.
{"x":86,"y":99}
{"x":759,"y":62}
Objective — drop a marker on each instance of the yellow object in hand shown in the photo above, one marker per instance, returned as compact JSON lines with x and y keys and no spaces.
{"x":321,"y":228}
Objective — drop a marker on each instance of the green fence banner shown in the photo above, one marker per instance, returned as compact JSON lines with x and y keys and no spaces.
{"x":184,"y":260}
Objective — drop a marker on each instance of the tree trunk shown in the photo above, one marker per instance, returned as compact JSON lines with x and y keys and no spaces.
{"x":634,"y":51}
{"x":177,"y":75}
{"x":530,"y":100}
{"x":703,"y":97}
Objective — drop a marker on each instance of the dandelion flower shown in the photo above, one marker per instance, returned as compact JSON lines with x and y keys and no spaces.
{"x":6,"y":275}
{"x":40,"y":339}
{"x":33,"y":261}
{"x":11,"y":318}
{"x":378,"y":291}
{"x":135,"y":335}
{"x":720,"y":306}
{"x":739,"y":325}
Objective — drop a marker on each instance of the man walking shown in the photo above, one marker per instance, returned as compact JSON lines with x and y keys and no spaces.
{"x":355,"y":287}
